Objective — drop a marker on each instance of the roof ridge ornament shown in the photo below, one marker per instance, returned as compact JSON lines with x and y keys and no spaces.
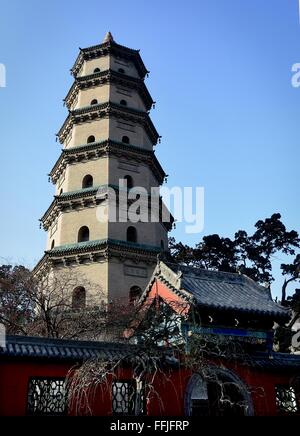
{"x":108,"y":37}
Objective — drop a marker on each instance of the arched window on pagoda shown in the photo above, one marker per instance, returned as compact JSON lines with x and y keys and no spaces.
{"x":87,"y":181}
{"x":91,"y":139}
{"x":79,"y":298}
{"x":126,"y":140}
{"x":52,"y":244}
{"x":93,"y":102}
{"x":162,"y":245}
{"x":97,"y":70}
{"x":123,"y":103}
{"x":84,"y":234}
{"x":129,"y":182}
{"x":131,"y":234}
{"x":134,"y":295}
{"x":121,"y":70}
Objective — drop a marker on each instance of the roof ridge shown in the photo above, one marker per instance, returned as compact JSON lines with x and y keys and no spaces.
{"x":205,"y":270}
{"x":28,"y":340}
{"x":97,"y":242}
{"x":82,"y":190}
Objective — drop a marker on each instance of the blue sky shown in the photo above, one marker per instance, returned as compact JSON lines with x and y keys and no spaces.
{"x":221,"y":76}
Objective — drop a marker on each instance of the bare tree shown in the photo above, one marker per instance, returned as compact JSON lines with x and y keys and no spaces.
{"x":47,"y":306}
{"x":152,"y":334}
{"x":156,"y":343}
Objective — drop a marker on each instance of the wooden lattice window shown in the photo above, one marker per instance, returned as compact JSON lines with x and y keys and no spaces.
{"x":47,"y":396}
{"x":286,"y":400}
{"x":127,"y":398}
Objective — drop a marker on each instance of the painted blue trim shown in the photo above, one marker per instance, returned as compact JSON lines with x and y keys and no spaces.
{"x":223,"y":331}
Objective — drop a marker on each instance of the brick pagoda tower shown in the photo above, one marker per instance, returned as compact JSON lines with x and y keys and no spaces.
{"x":107,"y":140}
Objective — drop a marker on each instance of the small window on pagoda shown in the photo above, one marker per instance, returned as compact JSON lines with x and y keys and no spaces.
{"x":97,"y":70}
{"x":91,"y":139}
{"x":61,"y":192}
{"x":84,"y":234}
{"x":126,"y":140}
{"x":162,"y":245}
{"x":79,"y":298}
{"x":134,"y":295}
{"x":121,"y":70}
{"x":131,"y":234}
{"x":87,"y":182}
{"x":123,"y":103}
{"x":93,"y":102}
{"x":52,"y":244}
{"x":129,"y":182}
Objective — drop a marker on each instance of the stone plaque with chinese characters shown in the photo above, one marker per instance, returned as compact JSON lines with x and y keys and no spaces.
{"x":135,"y":271}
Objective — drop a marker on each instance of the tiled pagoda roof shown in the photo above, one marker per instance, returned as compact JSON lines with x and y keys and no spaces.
{"x":110,"y":47}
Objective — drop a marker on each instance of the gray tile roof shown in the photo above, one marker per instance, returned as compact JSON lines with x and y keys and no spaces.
{"x":60,"y":349}
{"x":77,"y":351}
{"x":275,"y":361}
{"x":223,"y":291}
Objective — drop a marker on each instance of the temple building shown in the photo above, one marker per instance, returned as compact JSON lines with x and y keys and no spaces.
{"x":212,"y":333}
{"x":108,"y":144}
{"x":217,"y":304}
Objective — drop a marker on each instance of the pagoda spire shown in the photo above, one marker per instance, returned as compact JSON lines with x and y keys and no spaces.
{"x":108,"y":37}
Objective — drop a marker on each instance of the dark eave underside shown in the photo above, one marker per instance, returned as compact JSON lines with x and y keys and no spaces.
{"x":91,"y":197}
{"x":113,"y":48}
{"x":84,"y":247}
{"x":107,"y":76}
{"x":83,"y":152}
{"x":96,"y":251}
{"x":105,"y":110}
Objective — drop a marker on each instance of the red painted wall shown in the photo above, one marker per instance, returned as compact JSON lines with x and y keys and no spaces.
{"x":167,"y":398}
{"x":14,"y":376}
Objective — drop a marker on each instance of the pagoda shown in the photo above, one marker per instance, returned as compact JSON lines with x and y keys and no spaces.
{"x":107,"y":141}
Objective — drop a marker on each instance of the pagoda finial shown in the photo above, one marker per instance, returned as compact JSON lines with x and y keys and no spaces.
{"x":108,"y":37}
